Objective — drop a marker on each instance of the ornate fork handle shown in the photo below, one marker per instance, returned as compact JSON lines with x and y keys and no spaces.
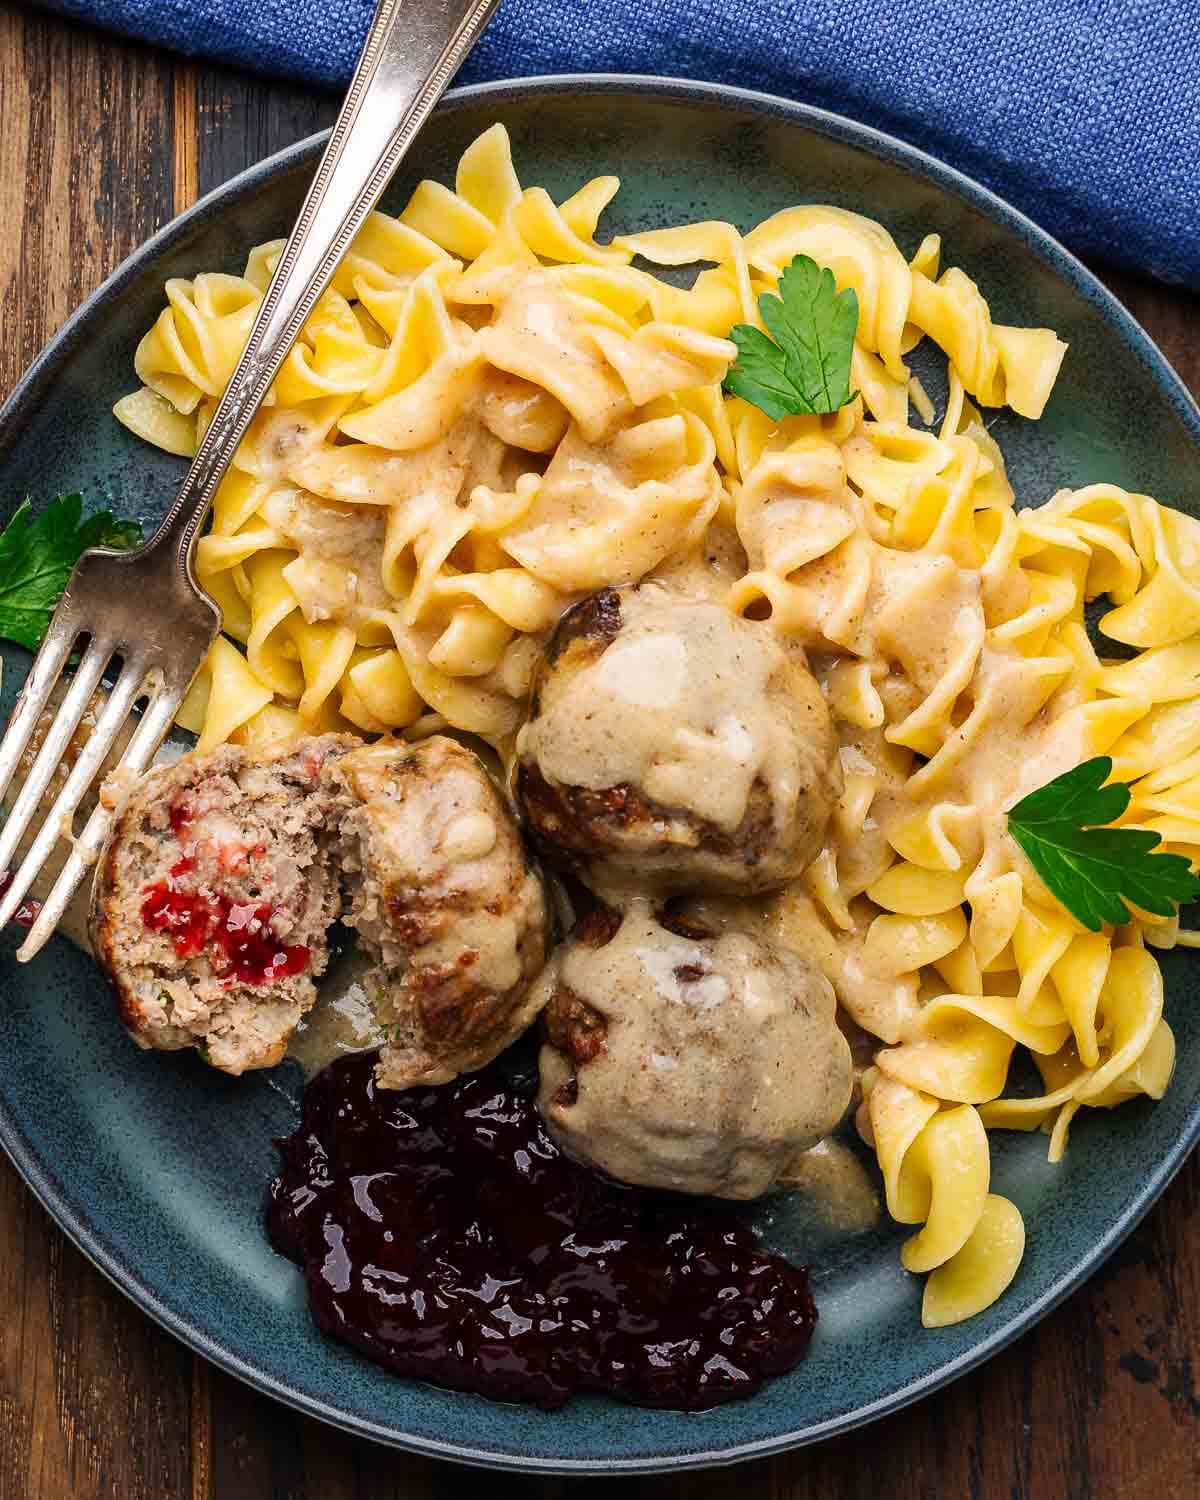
{"x":413,"y":49}
{"x":144,"y":608}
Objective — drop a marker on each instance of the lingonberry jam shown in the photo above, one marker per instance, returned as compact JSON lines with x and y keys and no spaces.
{"x":443,"y":1233}
{"x":27,"y":913}
{"x":186,"y":915}
{"x":180,"y":816}
{"x":245,"y":949}
{"x":250,"y":952}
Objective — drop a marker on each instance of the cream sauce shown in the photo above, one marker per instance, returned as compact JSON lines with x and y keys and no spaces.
{"x":836,"y":1185}
{"x":1009,"y":743}
{"x":343,"y":1019}
{"x":885,"y":1005}
{"x":708,"y":570}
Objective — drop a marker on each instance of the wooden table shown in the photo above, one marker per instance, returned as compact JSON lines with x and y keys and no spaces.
{"x":101,"y":142}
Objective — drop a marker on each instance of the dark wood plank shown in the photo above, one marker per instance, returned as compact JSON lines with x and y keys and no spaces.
{"x":1099,"y":1401}
{"x":1170,"y":317}
{"x":242,"y":119}
{"x":94,"y":1398}
{"x":86,"y":145}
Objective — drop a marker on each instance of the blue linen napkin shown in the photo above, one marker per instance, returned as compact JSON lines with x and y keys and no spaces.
{"x":1083,"y":113}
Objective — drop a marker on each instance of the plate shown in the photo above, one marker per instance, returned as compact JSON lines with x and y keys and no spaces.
{"x":156,"y":1166}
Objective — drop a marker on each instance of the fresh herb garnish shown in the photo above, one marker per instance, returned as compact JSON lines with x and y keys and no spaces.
{"x":806,"y":371}
{"x":37,"y":554}
{"x":1092,"y":869}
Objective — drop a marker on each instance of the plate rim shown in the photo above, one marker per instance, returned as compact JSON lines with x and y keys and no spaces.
{"x":88,"y":1236}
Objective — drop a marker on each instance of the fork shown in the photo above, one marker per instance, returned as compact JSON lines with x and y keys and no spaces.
{"x":144,"y":608}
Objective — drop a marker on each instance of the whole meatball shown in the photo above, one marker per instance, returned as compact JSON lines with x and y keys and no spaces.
{"x":691,"y":1062}
{"x":675,"y":746}
{"x":444,"y":899}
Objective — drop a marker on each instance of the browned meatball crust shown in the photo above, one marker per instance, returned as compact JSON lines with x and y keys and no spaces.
{"x":443,"y":895}
{"x":213,"y":899}
{"x":672,"y":745}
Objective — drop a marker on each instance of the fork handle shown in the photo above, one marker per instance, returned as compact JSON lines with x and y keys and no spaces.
{"x":412,"y":50}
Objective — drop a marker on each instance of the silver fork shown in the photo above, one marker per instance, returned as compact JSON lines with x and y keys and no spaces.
{"x":145,"y":608}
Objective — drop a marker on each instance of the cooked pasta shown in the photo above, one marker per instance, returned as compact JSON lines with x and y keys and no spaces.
{"x":492,"y":413}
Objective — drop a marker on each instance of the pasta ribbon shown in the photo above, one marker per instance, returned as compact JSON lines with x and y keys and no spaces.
{"x":936,"y":1169}
{"x":951,"y":1154}
{"x":620,"y":508}
{"x":1000,"y":366}
{"x":981,"y":1271}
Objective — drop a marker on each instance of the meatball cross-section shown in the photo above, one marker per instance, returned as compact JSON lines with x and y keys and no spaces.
{"x":213,"y":899}
{"x":224,"y":873}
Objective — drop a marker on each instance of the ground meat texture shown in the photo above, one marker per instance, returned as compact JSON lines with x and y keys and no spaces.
{"x":699,"y":1063}
{"x":673,"y":746}
{"x":213,"y":899}
{"x":443,"y":895}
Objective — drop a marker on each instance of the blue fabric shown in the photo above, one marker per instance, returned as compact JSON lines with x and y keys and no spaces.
{"x":1084,"y":113}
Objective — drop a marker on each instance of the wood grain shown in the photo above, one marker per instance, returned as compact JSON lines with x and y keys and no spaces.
{"x":94,"y":1398}
{"x":100,"y":141}
{"x":185,"y":137}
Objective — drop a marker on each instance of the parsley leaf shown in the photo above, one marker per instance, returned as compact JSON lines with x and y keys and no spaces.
{"x":1091,"y":869}
{"x":806,"y":370}
{"x":37,"y":554}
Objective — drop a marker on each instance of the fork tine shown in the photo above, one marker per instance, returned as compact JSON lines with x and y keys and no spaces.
{"x":57,"y":822}
{"x":149,"y":734}
{"x":50,"y":753}
{"x":45,"y":672}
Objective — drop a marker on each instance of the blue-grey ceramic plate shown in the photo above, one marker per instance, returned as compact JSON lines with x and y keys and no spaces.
{"x":156,"y":1166}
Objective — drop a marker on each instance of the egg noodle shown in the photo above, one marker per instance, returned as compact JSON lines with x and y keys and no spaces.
{"x":491,"y":414}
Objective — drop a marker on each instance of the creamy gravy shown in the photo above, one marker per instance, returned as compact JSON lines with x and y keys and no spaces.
{"x":1008,"y":745}
{"x":709,"y":570}
{"x":884,"y":1005}
{"x":836,"y":1185}
{"x":343,"y":1019}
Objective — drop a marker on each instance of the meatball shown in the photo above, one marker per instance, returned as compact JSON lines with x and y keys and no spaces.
{"x":443,"y":896}
{"x":676,"y":1059}
{"x":213,"y":899}
{"x":672,"y":745}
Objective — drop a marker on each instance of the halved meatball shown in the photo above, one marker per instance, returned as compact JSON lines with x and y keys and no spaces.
{"x":213,"y":899}
{"x":674,"y":746}
{"x":679,"y":1059}
{"x":443,"y":895}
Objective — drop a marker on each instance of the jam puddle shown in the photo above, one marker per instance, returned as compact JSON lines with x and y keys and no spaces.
{"x":443,"y":1234}
{"x":27,"y":913}
{"x":238,"y":933}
